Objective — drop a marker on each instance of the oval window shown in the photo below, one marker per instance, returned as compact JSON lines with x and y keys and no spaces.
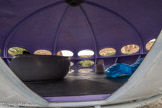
{"x":17,"y":50}
{"x":150,"y":44}
{"x":85,"y":70}
{"x":71,"y":70}
{"x":107,"y":52}
{"x":65,"y":53}
{"x":85,"y":63}
{"x":85,"y":53}
{"x":130,"y":49}
{"x":71,"y":63}
{"x":42,"y":52}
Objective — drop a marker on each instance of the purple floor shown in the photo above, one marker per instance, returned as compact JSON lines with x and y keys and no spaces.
{"x":77,"y":98}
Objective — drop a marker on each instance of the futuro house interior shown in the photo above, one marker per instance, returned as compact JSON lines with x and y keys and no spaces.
{"x":111,"y":31}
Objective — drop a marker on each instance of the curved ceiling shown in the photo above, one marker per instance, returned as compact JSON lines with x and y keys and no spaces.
{"x":93,"y":24}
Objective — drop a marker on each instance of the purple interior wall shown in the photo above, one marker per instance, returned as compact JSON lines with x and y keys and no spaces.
{"x":94,"y":24}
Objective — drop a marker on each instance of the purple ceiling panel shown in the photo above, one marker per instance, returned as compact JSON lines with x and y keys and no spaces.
{"x":74,"y":32}
{"x":13,"y":11}
{"x":144,"y":15}
{"x":93,"y":24}
{"x":110,"y":29}
{"x":34,"y":31}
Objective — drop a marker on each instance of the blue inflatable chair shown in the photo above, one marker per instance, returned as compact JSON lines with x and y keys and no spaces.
{"x":117,"y":70}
